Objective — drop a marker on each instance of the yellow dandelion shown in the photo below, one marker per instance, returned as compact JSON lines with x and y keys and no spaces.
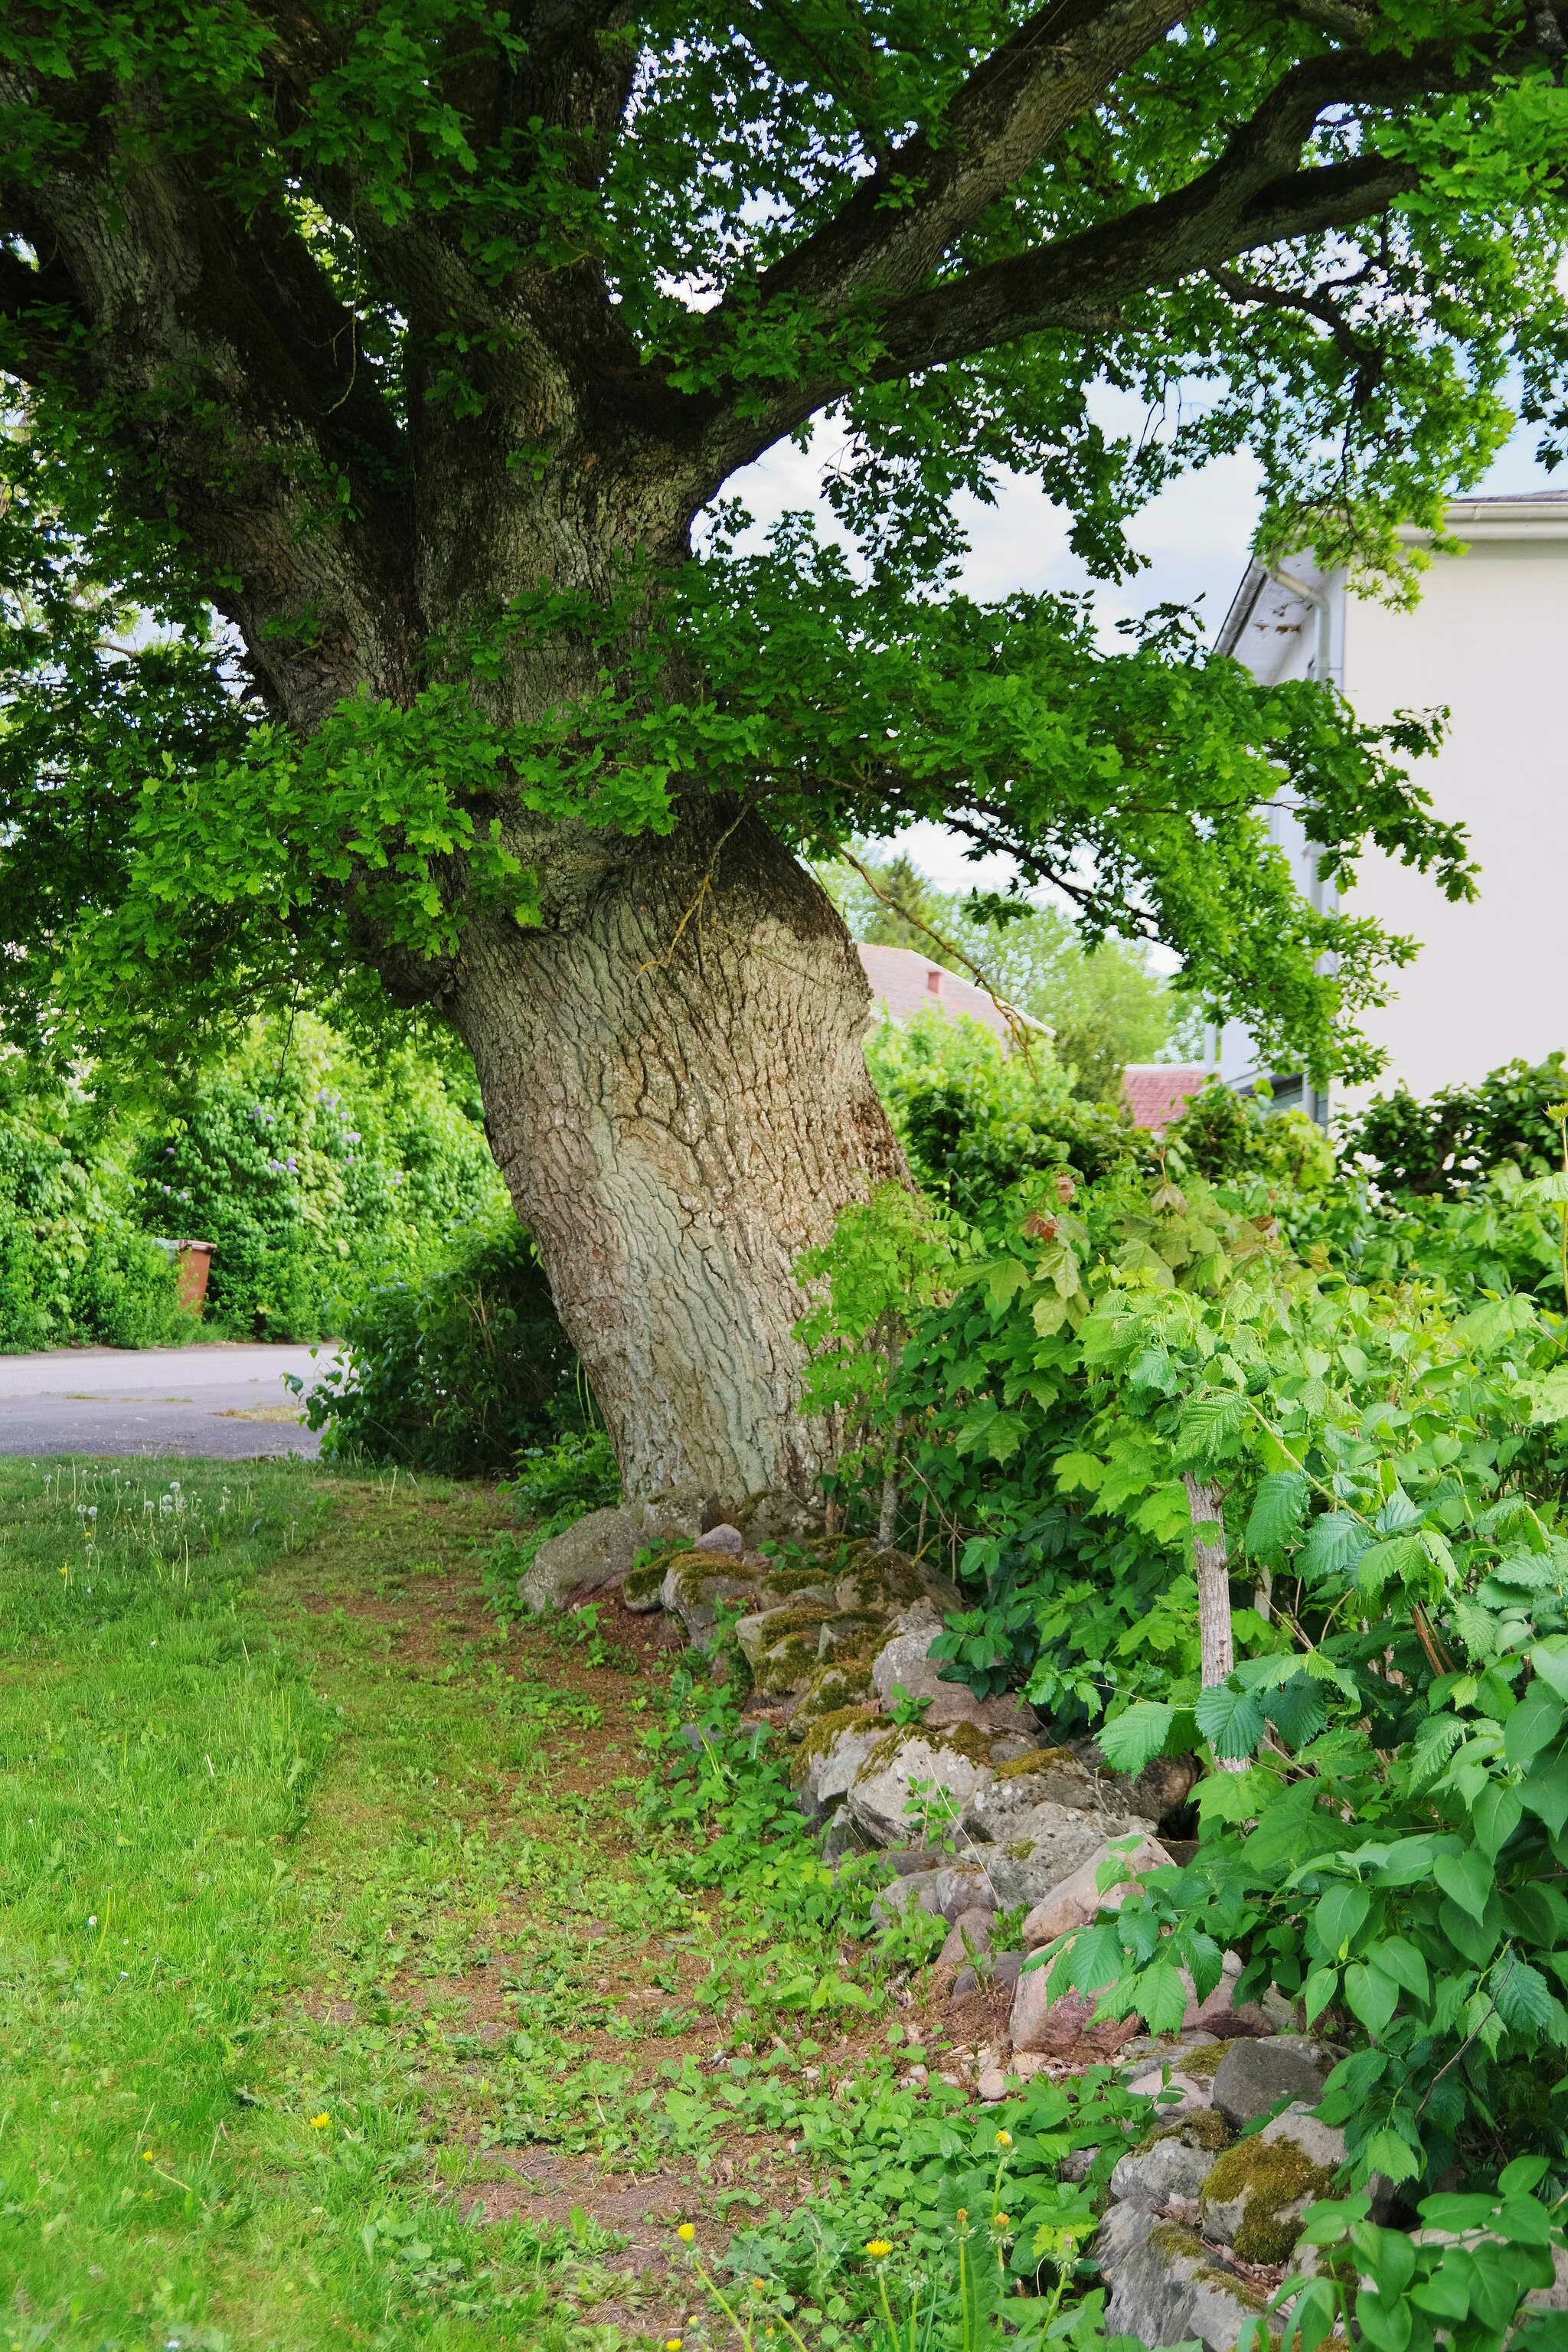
{"x":673,"y":2343}
{"x":1003,"y":2140}
{"x":146,"y":2155}
{"x":999,"y":2221}
{"x":878,"y":2247}
{"x":320,"y":2122}
{"x":685,"y":2233}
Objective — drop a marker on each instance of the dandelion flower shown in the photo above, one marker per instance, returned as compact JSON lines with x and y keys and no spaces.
{"x":1003,"y":2140}
{"x":1000,"y":2221}
{"x":878,"y":2247}
{"x":320,"y":2122}
{"x":146,"y":2155}
{"x":673,"y":2343}
{"x":685,"y":2233}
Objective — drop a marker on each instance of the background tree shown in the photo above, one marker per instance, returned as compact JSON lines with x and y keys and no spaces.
{"x":375,"y":363}
{"x":1104,"y":1006}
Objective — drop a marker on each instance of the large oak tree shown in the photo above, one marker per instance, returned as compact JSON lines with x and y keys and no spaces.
{"x":373,"y":363}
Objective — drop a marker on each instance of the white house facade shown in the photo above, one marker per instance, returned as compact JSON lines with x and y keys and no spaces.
{"x":1489,"y":640}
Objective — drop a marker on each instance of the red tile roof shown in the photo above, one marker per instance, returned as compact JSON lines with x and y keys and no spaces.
{"x":906,"y":983}
{"x":1156,"y":1092}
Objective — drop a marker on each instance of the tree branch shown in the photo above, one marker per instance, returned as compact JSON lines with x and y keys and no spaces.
{"x":224,"y":368}
{"x":1255,"y":194}
{"x":1083,"y":281}
{"x":1317,"y":303}
{"x":896,"y":226}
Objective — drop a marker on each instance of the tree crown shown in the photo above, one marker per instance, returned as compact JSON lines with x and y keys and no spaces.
{"x":412,"y":339}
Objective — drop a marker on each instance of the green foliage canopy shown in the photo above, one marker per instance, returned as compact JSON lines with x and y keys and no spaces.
{"x":449,"y":323}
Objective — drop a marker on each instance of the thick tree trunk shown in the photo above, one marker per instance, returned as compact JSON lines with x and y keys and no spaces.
{"x":676,"y":1089}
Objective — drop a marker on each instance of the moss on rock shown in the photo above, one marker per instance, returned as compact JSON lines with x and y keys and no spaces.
{"x":824,"y":1732}
{"x":784,"y":1583}
{"x":1036,"y":1760}
{"x":849,"y":1633}
{"x":642,"y":1586}
{"x":1199,"y":2127}
{"x":966,"y":1740}
{"x":781,"y":1649}
{"x":844,"y":1687}
{"x":1278,"y":2179}
{"x":694,"y":1571}
{"x":1184,"y":2245}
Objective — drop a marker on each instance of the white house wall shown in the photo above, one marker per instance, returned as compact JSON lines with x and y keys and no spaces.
{"x":1490,"y":639}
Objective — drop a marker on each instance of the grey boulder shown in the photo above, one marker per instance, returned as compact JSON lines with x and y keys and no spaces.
{"x":584,"y":1558}
{"x":946,"y":1893}
{"x":1151,"y":2177}
{"x":922,"y":1772}
{"x":723,"y":1539}
{"x":1050,"y":1844}
{"x":1255,"y":2076}
{"x":1051,"y":1776}
{"x":970,"y":1935}
{"x":1167,"y":2287}
{"x":826,"y":1770}
{"x":697,"y":1586}
{"x":905,"y":1662}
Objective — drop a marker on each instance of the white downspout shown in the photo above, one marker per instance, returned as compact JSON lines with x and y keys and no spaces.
{"x":1324,"y":667}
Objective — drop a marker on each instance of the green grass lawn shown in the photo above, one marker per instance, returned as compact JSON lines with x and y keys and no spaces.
{"x":233,"y":1813}
{"x":365,"y":1980}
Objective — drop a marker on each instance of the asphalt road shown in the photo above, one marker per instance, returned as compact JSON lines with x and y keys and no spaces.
{"x":217,"y":1398}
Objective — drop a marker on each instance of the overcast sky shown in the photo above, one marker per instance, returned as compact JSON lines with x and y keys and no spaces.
{"x":1195,"y":534}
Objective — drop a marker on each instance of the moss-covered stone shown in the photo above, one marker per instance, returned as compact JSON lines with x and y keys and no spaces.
{"x":1186,"y":2246}
{"x":1199,"y":2127}
{"x":832,"y":1690}
{"x":824,"y":1732}
{"x":694,"y":1572}
{"x":785,"y":1584}
{"x":643,"y":1586}
{"x":780,"y":1647}
{"x":1036,"y":1760}
{"x":847,"y":1633}
{"x":1204,"y":2062}
{"x":1277,"y":2181}
{"x":966,"y":1740}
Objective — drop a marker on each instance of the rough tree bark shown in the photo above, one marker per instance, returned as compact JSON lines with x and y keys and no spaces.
{"x":1211,"y":1567}
{"x":675,"y":1090}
